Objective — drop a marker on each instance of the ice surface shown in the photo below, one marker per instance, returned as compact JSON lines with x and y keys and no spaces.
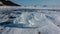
{"x":48,"y":22}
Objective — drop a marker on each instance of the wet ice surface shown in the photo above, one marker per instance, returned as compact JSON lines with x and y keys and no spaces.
{"x":48,"y":22}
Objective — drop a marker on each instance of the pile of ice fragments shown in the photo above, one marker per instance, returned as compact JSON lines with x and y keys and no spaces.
{"x":48,"y":22}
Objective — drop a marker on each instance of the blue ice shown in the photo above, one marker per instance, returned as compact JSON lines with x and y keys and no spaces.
{"x":48,"y":22}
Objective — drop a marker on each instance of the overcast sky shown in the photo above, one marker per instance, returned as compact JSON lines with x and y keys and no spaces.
{"x":37,"y":2}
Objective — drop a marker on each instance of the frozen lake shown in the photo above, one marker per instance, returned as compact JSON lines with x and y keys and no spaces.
{"x":15,"y":21}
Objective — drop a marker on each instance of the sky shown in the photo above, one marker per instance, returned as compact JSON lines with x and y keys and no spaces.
{"x":37,"y":2}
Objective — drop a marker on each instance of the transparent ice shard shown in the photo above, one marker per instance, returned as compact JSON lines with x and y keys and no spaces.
{"x":31,"y":19}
